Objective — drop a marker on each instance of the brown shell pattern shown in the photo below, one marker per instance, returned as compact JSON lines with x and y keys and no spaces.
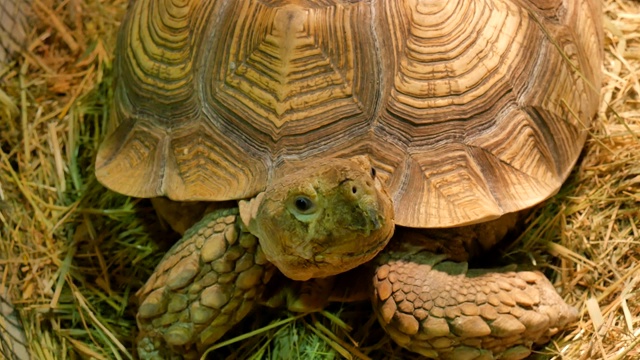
{"x":469,"y":109}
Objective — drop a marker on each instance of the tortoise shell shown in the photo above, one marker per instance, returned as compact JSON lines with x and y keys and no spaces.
{"x":467,"y":109}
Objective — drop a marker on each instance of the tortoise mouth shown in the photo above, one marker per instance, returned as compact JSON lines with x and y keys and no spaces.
{"x":331,"y":261}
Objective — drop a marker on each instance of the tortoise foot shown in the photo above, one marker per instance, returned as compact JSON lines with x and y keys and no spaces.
{"x":441,"y":310}
{"x":204,"y":285}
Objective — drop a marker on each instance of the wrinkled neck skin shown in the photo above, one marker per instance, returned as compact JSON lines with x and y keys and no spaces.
{"x":322,"y":220}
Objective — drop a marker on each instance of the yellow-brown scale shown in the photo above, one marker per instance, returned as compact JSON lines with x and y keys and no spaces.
{"x":441,"y":309}
{"x":203,"y":286}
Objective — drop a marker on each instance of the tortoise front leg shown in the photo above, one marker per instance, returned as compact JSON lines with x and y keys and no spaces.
{"x":441,"y":310}
{"x":203,"y":286}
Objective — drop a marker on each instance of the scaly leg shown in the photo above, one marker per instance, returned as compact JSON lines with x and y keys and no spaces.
{"x":442,"y":310}
{"x":204,"y":285}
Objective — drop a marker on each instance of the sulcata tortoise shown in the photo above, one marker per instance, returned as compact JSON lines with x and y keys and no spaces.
{"x":389,"y":140}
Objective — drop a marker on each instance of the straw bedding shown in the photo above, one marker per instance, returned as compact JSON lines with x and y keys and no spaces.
{"x":72,"y":253}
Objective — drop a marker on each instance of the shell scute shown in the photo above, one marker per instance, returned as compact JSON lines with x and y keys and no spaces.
{"x":468,"y":109}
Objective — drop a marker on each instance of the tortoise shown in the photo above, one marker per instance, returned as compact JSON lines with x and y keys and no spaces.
{"x":387,"y":140}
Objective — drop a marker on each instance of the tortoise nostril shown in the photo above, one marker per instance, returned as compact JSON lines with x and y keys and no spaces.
{"x":354,"y":189}
{"x":373,"y":173}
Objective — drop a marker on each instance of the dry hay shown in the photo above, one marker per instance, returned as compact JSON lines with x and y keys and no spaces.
{"x":72,"y":253}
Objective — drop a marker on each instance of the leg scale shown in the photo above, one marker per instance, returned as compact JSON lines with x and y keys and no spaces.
{"x":440,"y":309}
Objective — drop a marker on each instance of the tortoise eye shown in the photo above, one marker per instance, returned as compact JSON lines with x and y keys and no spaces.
{"x":304,"y":204}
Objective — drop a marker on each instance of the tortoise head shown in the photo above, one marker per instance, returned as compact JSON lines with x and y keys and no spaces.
{"x":323,"y":219}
